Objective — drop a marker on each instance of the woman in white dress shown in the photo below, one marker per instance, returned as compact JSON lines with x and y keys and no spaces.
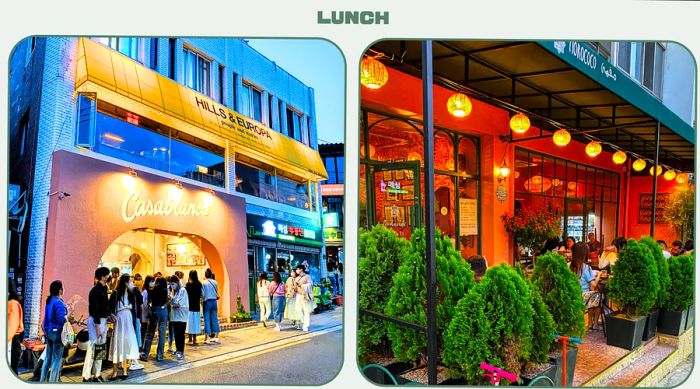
{"x":124,"y":346}
{"x":290,"y":309}
{"x":305,"y":297}
{"x":263,"y":293}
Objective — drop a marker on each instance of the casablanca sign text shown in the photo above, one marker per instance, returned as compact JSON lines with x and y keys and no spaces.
{"x":134,"y":206}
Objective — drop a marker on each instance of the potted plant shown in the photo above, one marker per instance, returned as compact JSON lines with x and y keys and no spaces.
{"x":380,"y":256}
{"x":539,"y":363}
{"x":492,"y":324}
{"x":241,"y":315}
{"x":531,"y":228}
{"x":687,"y":263}
{"x":664,"y":286}
{"x":407,"y":300}
{"x":634,"y":285}
{"x":562,"y":295}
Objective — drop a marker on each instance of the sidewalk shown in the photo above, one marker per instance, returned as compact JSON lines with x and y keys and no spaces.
{"x":231,"y":342}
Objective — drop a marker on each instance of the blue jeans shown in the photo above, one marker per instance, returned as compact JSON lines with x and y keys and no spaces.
{"x":54,"y":357}
{"x":137,"y":329}
{"x":278,"y":303}
{"x":211,"y":317}
{"x":159,"y":318}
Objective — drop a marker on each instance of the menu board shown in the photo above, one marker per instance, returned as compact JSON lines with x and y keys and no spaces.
{"x":468,"y":217}
{"x":184,"y":254}
{"x":645,"y":200}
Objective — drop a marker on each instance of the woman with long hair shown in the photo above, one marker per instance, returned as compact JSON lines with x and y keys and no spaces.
{"x":15,"y":324}
{"x":589,"y":282}
{"x":179,"y":307}
{"x":263,"y":298}
{"x":158,"y":299}
{"x":194,"y":294}
{"x":210,"y":295}
{"x":290,"y":308}
{"x":54,"y":319}
{"x":567,"y":249}
{"x":148,"y":283}
{"x":277,"y":294}
{"x":124,"y":346}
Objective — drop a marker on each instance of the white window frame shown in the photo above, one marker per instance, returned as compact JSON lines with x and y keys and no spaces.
{"x":301,"y":123}
{"x":114,"y":42}
{"x":639,"y":78}
{"x":252,"y":87}
{"x":205,"y":78}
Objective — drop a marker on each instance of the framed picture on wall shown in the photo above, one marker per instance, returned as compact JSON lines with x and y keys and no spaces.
{"x":388,"y":176}
{"x":409,"y":196}
{"x":399,"y":175}
{"x":409,"y":174}
{"x":391,"y":196}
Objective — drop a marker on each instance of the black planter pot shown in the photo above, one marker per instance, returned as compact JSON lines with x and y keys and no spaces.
{"x":571,"y":355}
{"x":624,"y":332}
{"x":651,"y":324}
{"x":690,"y":318}
{"x":672,"y":322}
{"x":550,"y":372}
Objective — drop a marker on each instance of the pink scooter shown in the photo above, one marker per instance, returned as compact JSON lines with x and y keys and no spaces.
{"x":495,"y":374}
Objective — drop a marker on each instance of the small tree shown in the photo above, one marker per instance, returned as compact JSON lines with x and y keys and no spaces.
{"x":408,"y":296}
{"x":681,"y":270}
{"x":635,"y":281}
{"x":380,"y":256}
{"x":662,"y":271}
{"x":493,"y":323}
{"x":542,"y":323}
{"x":561,"y":293}
{"x":680,"y":212}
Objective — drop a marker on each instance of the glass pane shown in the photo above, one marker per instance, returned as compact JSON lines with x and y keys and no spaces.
{"x":615,"y":180}
{"x":297,"y":126}
{"x":205,"y":78}
{"x":609,"y":222}
{"x":623,"y":55}
{"x":189,"y":69}
{"x":362,"y":139}
{"x":467,"y":157}
{"x":469,"y":211}
{"x":394,"y":141}
{"x":648,"y":79}
{"x":257,"y":108}
{"x":444,"y":205}
{"x":443,"y":152}
{"x":258,"y":183}
{"x":395,"y":200}
{"x":292,"y":193}
{"x":197,"y":164}
{"x":340,"y":165}
{"x":245,"y":100}
{"x":575,"y":220}
{"x":364,"y":222}
{"x":658,"y":69}
{"x":86,"y":122}
{"x":536,"y":183}
{"x":590,"y":178}
{"x":520,"y":172}
{"x":637,"y":60}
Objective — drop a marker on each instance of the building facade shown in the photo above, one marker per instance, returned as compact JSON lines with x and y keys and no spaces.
{"x":160,"y":154}
{"x":333,"y":202}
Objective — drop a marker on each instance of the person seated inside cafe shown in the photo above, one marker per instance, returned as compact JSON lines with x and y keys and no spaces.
{"x":610,"y":253}
{"x":664,"y":248}
{"x":479,"y":266}
{"x":566,"y":249}
{"x":593,"y":245}
{"x":589,"y":282}
{"x":677,"y":248}
{"x":689,"y":246}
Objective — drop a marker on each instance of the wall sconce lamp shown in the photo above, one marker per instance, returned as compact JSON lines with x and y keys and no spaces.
{"x":61,"y":195}
{"x":503,"y":172}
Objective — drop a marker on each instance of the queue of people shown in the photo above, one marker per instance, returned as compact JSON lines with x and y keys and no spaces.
{"x":292,"y":300}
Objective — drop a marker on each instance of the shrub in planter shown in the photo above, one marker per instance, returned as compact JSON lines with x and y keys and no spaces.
{"x":241,"y":315}
{"x":493,"y":323}
{"x":664,"y":286}
{"x":634,"y":285}
{"x":688,"y":267}
{"x":407,"y":300}
{"x":561,"y":293}
{"x":380,"y":256}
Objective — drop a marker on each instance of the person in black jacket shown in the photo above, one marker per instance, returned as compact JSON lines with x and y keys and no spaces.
{"x":194,"y":294}
{"x":158,"y":299}
{"x":98,"y":311}
{"x":135,"y":365}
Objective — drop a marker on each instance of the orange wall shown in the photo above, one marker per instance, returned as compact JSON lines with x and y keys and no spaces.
{"x":403,"y":95}
{"x":641,"y":185}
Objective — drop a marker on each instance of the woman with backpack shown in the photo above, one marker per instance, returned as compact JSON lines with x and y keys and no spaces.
{"x":54,"y":320}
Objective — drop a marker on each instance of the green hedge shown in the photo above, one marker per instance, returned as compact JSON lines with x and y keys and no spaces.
{"x":381,"y":251}
{"x":561,"y":293}
{"x":662,"y":271}
{"x":681,"y":269}
{"x":408,"y":296}
{"x":634,"y":284}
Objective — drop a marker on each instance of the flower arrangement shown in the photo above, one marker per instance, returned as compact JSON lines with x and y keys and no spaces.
{"x":532,"y":228}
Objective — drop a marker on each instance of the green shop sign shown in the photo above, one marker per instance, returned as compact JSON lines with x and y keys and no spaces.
{"x":282,"y":231}
{"x":333,"y":235}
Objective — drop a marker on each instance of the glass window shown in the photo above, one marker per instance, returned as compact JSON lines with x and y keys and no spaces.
{"x":197,"y":72}
{"x":467,"y":157}
{"x":624,"y":51}
{"x":158,"y":150}
{"x":244,"y":109}
{"x":256,"y":104}
{"x":394,"y":140}
{"x":443,"y":152}
{"x":340,"y":166}
{"x":330,"y":168}
{"x":468,"y":202}
{"x":153,"y":63}
{"x":258,"y":182}
{"x":293,"y":193}
{"x":445,"y":204}
{"x":128,"y":46}
{"x":658,"y":69}
{"x":85,"y":132}
{"x":294,"y":124}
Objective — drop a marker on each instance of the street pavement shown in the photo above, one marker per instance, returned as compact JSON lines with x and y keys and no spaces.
{"x":310,"y":361}
{"x":678,"y":375}
{"x":238,"y":345}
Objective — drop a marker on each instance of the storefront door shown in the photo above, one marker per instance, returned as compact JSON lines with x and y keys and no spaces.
{"x":396,"y":189}
{"x":575,"y":219}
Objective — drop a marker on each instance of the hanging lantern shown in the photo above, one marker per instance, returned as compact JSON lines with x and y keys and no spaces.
{"x":639,"y":165}
{"x":670,"y":174}
{"x":459,"y":105}
{"x":504,"y":171}
{"x":593,"y":148}
{"x":373,"y":74}
{"x":619,"y":157}
{"x":519,"y":123}
{"x":682,"y":178}
{"x":659,"y":170}
{"x":561,"y":137}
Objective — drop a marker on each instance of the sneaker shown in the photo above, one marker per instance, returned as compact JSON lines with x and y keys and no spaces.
{"x":135,"y":365}
{"x":159,"y":358}
{"x":278,"y":328}
{"x":215,"y":340}
{"x":171,"y":350}
{"x":143,"y":357}
{"x":180,"y":356}
{"x":207,"y":341}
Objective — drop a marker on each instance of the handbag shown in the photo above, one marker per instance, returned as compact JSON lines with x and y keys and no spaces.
{"x":67,"y":335}
{"x":100,"y":351}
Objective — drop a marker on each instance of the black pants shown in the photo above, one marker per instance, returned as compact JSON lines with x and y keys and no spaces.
{"x":179,"y":331}
{"x":15,"y":352}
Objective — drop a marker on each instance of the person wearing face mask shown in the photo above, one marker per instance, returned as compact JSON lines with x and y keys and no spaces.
{"x":210,"y":294}
{"x":157,"y":301}
{"x":148,"y":284}
{"x":98,"y":311}
{"x":305,"y":297}
{"x":135,"y":365}
{"x":124,"y":347}
{"x":179,"y":307}
{"x":54,"y":319}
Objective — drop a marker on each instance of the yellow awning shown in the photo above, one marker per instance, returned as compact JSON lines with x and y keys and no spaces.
{"x":126,"y":83}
